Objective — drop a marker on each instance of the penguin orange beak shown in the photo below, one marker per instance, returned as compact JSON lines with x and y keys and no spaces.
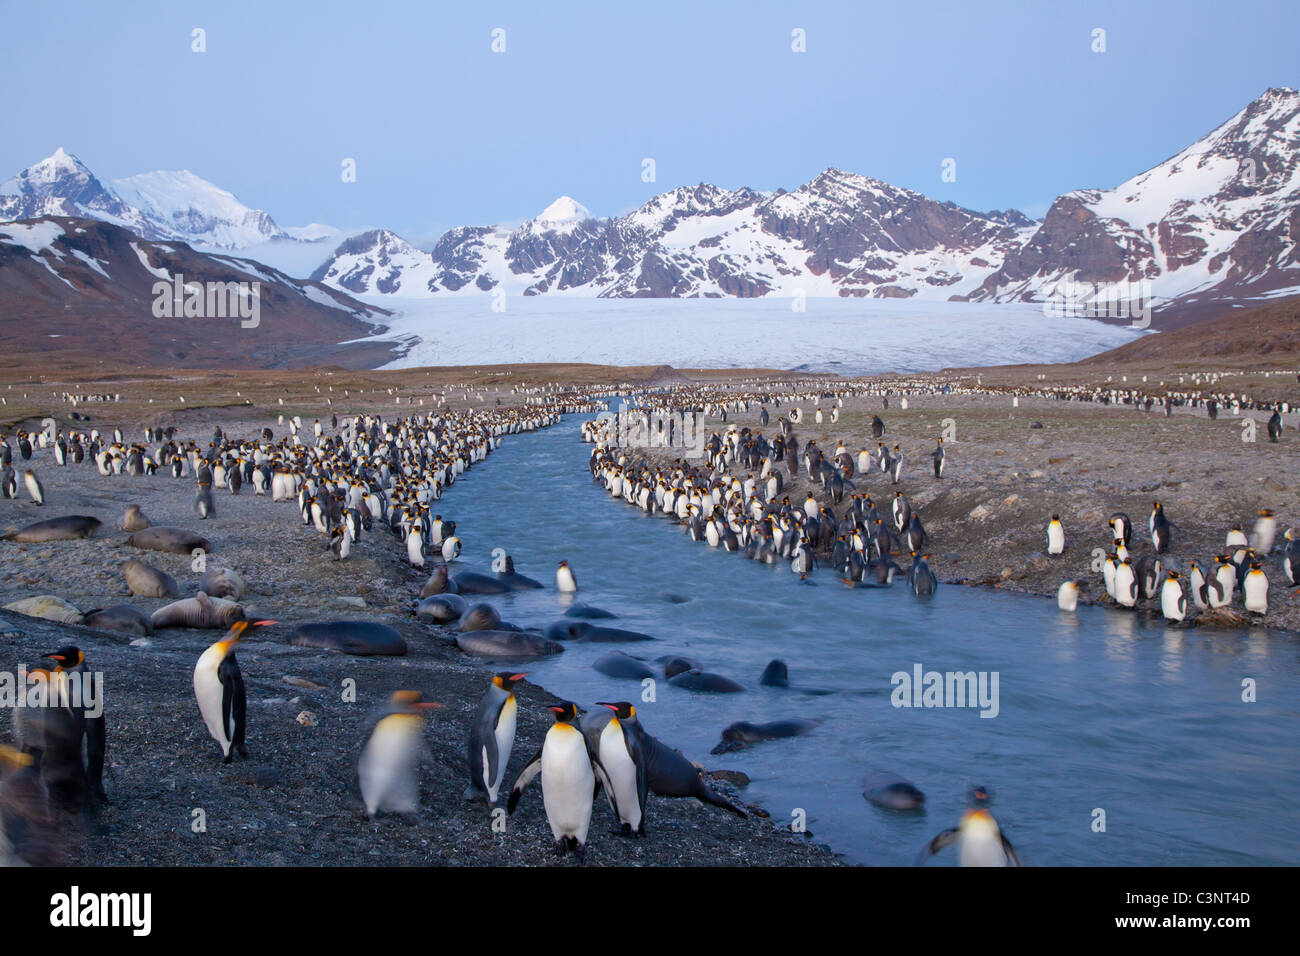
{"x":263,"y":623}
{"x":514,"y":677}
{"x":428,"y":705}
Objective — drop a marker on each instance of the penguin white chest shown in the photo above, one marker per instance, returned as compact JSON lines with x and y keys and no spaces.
{"x":981,"y":843}
{"x":1172,"y":603}
{"x":209,"y":692}
{"x":1255,"y":590}
{"x":386,"y":770}
{"x":1055,"y":538}
{"x":567,"y":782}
{"x":621,"y":769}
{"x":505,"y":735}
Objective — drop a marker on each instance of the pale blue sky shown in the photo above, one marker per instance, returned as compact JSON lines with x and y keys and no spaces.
{"x":445,"y":132}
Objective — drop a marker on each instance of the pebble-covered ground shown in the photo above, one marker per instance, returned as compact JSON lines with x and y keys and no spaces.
{"x":294,"y":802}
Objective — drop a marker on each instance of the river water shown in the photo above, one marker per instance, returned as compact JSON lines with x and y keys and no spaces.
{"x":1096,"y":711}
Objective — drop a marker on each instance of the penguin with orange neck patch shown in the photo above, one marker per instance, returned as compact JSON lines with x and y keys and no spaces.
{"x":89,"y":720}
{"x":492,"y":737}
{"x":979,"y":840}
{"x":219,"y":690}
{"x":620,"y":764}
{"x":386,"y":770}
{"x":568,"y":782}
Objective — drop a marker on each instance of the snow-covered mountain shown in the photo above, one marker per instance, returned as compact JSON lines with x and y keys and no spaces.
{"x":841,"y":234}
{"x":1219,"y":220}
{"x":169,"y":206}
{"x":1216,"y":222}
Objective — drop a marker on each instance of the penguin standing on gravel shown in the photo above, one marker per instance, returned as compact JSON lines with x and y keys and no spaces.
{"x":1126,"y":584}
{"x":1173,"y":603}
{"x":1121,"y":527}
{"x":1275,"y":428}
{"x":1254,"y":589}
{"x":1161,"y":529}
{"x":1265,"y":532}
{"x":568,"y":781}
{"x":1291,"y":557}
{"x":492,"y":737}
{"x":386,"y":770}
{"x":937,"y":455}
{"x":1055,"y":536}
{"x":620,"y":764}
{"x":219,"y":690}
{"x":34,"y":487}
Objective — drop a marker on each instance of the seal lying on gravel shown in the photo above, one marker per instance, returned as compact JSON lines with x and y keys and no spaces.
{"x":358,"y":638}
{"x":223,"y":583}
{"x":583,"y":631}
{"x":48,"y":607}
{"x":133,"y":520}
{"x":506,"y":644}
{"x":742,"y":733}
{"x":481,"y":617}
{"x":147,"y":581}
{"x":67,"y":528}
{"x":202,"y":611}
{"x":437,"y":583}
{"x":892,"y":792}
{"x":441,"y":608}
{"x":173,"y":540}
{"x":120,"y":617}
{"x":668,"y":773}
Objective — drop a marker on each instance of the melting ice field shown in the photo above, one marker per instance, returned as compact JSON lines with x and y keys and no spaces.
{"x":847,"y":336}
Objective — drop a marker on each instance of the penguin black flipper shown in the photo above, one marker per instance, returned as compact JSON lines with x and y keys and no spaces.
{"x":234,"y":704}
{"x":946,"y":838}
{"x":1009,"y":849}
{"x":602,"y":780}
{"x":531,"y":770}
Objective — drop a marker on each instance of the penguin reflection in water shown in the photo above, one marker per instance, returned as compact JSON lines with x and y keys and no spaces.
{"x":386,"y":771}
{"x":979,"y":840}
{"x":568,"y":782}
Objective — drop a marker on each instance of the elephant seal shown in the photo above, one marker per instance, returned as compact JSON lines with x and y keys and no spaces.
{"x":669,"y":774}
{"x":705,"y":681}
{"x":172,"y":540}
{"x":679,"y":665}
{"x":516,"y":581}
{"x":441,"y":608}
{"x":358,"y":638}
{"x":480,"y":617}
{"x":892,"y":792}
{"x":222,"y":583}
{"x":618,"y":664}
{"x":742,"y":733}
{"x":506,"y":644}
{"x":438,"y":583}
{"x":587,"y":612}
{"x":67,"y":528}
{"x":47,"y":607}
{"x":133,"y":520}
{"x":471,"y":582}
{"x":673,"y":598}
{"x":201,"y":611}
{"x":120,"y":617}
{"x":775,"y":675}
{"x":583,"y":631}
{"x":147,"y":581}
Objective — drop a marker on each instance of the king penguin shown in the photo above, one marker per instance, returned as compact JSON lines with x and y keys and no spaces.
{"x":386,"y":770}
{"x":979,"y":839}
{"x":1055,"y":536}
{"x":620,"y":764}
{"x":219,"y":690}
{"x":492,"y":737}
{"x":568,"y":782}
{"x":565,"y":582}
{"x":1160,"y":528}
{"x":1173,"y":603}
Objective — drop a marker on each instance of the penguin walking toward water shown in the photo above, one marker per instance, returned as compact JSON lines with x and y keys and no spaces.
{"x":386,"y":770}
{"x":1055,"y":536}
{"x":1161,"y":529}
{"x":619,"y":759}
{"x":1173,"y":603}
{"x":568,"y":781}
{"x":978,"y":838}
{"x":921,"y":577}
{"x":1126,"y":584}
{"x":219,"y":690}
{"x":1067,"y":595}
{"x":34,"y":488}
{"x":492,"y":737}
{"x":565,"y":582}
{"x":450,"y":549}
